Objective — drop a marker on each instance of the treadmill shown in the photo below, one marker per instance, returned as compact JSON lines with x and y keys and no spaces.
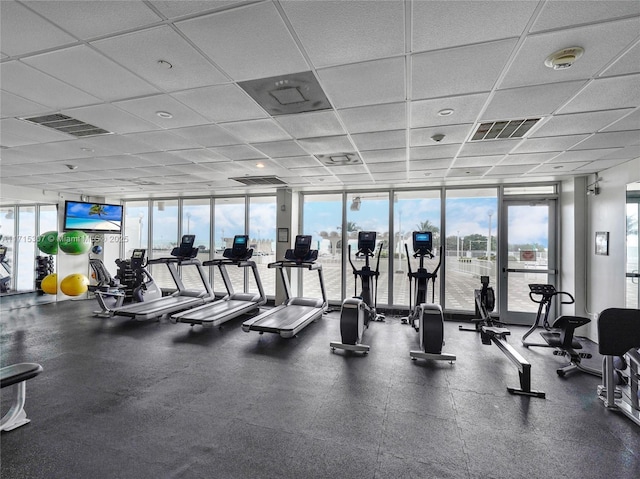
{"x":233,"y":304}
{"x":295,"y":313}
{"x":182,"y":256}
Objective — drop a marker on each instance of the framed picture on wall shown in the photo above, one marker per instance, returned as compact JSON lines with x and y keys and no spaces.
{"x":602,"y":243}
{"x":283,"y":235}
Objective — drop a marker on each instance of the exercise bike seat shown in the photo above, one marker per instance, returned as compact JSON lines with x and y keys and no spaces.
{"x":563,"y":336}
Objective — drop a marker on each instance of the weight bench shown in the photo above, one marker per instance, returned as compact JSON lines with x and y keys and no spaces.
{"x":17,"y":375}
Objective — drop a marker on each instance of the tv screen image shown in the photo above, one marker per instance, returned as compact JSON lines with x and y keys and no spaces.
{"x":93,"y":217}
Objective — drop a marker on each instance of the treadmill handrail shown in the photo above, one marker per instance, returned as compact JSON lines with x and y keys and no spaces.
{"x":293,"y":264}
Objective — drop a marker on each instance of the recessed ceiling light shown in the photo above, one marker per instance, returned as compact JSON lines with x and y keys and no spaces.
{"x":88,"y":150}
{"x":445,"y":112}
{"x":563,"y":59}
{"x":72,"y":167}
{"x":165,"y":64}
{"x":427,"y":173}
{"x":164,"y":114}
{"x":557,"y":167}
{"x":260,"y":165}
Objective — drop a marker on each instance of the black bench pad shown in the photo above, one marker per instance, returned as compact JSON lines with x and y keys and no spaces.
{"x":16,"y":373}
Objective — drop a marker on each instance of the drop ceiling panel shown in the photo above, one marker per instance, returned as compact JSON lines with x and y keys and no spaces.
{"x":434,"y":152}
{"x":113,"y":162}
{"x":478,"y":161}
{"x":467,"y":172}
{"x":239,"y":152}
{"x":141,"y":52}
{"x":309,"y":171}
{"x":599,"y":165}
{"x":384,"y":156}
{"x":369,"y":83}
{"x":565,"y":13}
{"x":465,"y":108}
{"x":380,"y":140}
{"x":200,"y":155}
{"x":428,"y":176}
{"x":206,"y":135}
{"x":90,"y":71}
{"x":387,"y":167}
{"x":22,"y":31}
{"x":17,"y":132}
{"x":147,"y":108}
{"x":398,"y":178}
{"x":247,"y":43}
{"x":118,"y":144}
{"x":606,"y":94}
{"x":255,"y":131}
{"x":175,"y":9}
{"x":429,"y":165}
{"x":310,"y":125}
{"x":221,"y":103}
{"x":558,"y":168}
{"x":280,"y":149}
{"x":354,"y":179}
{"x":92,"y":19}
{"x":628,"y":153}
{"x":528,"y":158}
{"x":326,"y":144}
{"x":163,"y":158}
{"x":12,"y":105}
{"x":582,"y":155}
{"x":456,"y":71}
{"x":629,"y":62}
{"x":452,"y":134}
{"x":110,"y":118}
{"x":370,"y":29}
{"x":610,"y":139}
{"x":298,"y":162}
{"x":489,"y":147}
{"x":160,"y":141}
{"x":437,"y":25}
{"x":527,"y":102}
{"x":323,"y":180}
{"x":33,"y":85}
{"x":601,"y":43}
{"x":509,"y":170}
{"x":577,"y":123}
{"x":556,"y":143}
{"x":392,"y":116}
{"x":629,"y":122}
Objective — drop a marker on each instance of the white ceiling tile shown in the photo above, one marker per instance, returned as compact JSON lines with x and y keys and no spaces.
{"x":426,"y":176}
{"x":503,"y":170}
{"x":528,"y":158}
{"x":255,"y":131}
{"x":434,"y":152}
{"x":384,"y":156}
{"x":355,"y":179}
{"x":206,"y":135}
{"x":268,"y":168}
{"x":239,"y":152}
{"x":380,"y":140}
{"x":556,"y":143}
{"x":12,"y":106}
{"x":438,"y":25}
{"x":456,"y":71}
{"x":280,"y":149}
{"x":230,"y":168}
{"x":159,"y":158}
{"x":310,"y":125}
{"x":200,"y":155}
{"x":33,"y":85}
{"x":324,"y":180}
{"x":452,"y":134}
{"x":370,"y":29}
{"x":600,"y":165}
{"x":92,"y":19}
{"x":628,"y":152}
{"x":179,"y":8}
{"x":393,"y":166}
{"x":601,"y":43}
{"x":397,"y":178}
{"x":465,"y":108}
{"x":629,"y":62}
{"x":160,"y":140}
{"x":582,"y":155}
{"x":606,"y":94}
{"x":141,"y":52}
{"x":392,"y":116}
{"x":467,"y":172}
{"x":109,"y":163}
{"x":610,"y":139}
{"x":429,"y":165}
{"x":247,"y":43}
{"x":489,"y":147}
{"x":17,"y":132}
{"x":118,"y":144}
{"x":368,"y":83}
{"x":22,"y":31}
{"x":221,"y":103}
{"x":629,"y":122}
{"x":327,"y":144}
{"x":558,"y":167}
{"x":295,"y":162}
{"x":307,"y":172}
{"x":562,"y":13}
{"x":532,"y":101}
{"x":110,"y":118}
{"x":478,"y":161}
{"x":147,"y":108}
{"x":577,"y":123}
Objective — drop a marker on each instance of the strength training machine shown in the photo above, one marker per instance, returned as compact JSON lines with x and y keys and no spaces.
{"x":426,"y":318}
{"x":357,"y":312}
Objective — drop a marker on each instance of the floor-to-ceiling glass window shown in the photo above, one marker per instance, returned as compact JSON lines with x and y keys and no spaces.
{"x":414,"y":211}
{"x":262,"y":238}
{"x":26,"y":234}
{"x":7,"y":240}
{"x":633,"y":259}
{"x":322,"y":218}
{"x":229,"y":220}
{"x":471,"y":219}
{"x":136,"y":232}
{"x":196,"y":220}
{"x":368,"y":212}
{"x":165,"y":237}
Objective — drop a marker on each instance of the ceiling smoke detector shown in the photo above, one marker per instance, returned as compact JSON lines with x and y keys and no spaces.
{"x":563,"y":59}
{"x":438,"y":137}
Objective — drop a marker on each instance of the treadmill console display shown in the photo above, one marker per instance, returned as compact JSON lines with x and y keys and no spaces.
{"x":302,"y":246}
{"x":239,"y":248}
{"x":422,"y":242}
{"x":137,"y":258}
{"x":186,"y":249}
{"x":366,"y":241}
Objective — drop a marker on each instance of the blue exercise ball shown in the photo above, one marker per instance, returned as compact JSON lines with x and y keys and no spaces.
{"x":97,"y":249}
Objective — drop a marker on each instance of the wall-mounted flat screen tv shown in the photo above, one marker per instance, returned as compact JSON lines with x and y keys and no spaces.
{"x":92,"y":217}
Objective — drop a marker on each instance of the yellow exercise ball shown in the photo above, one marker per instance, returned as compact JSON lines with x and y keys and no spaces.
{"x":49,"y":284}
{"x":74,"y":284}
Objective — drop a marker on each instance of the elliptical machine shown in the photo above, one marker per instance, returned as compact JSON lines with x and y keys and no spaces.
{"x":426,"y":318}
{"x":357,"y":312}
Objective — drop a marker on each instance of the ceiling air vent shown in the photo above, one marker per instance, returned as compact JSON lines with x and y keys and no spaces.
{"x":498,"y":130}
{"x":66,"y":124}
{"x":259,"y":180}
{"x":340,"y":159}
{"x":287,"y":94}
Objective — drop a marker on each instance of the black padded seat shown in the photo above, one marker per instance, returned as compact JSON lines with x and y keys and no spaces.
{"x":564,"y":337}
{"x":16,"y":373}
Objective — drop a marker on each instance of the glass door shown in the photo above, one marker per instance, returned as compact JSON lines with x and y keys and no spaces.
{"x":528,"y":255}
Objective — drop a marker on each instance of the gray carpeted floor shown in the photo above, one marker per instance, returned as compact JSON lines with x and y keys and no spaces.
{"x":125,"y":399}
